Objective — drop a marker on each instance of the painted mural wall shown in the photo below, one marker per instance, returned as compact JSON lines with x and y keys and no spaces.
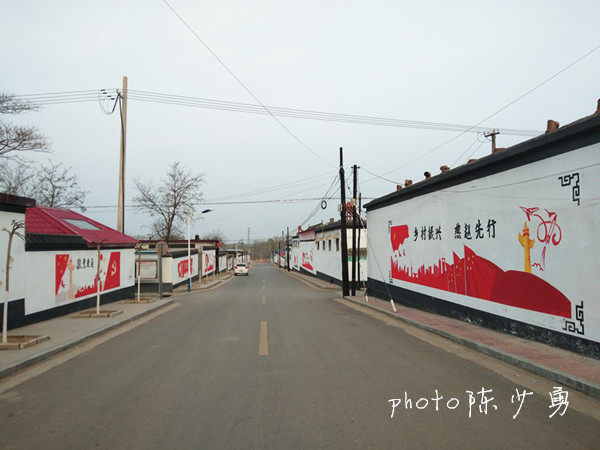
{"x":521,"y":244}
{"x":63,"y":277}
{"x":208,"y":262}
{"x":322,"y":256}
{"x":179,"y":269}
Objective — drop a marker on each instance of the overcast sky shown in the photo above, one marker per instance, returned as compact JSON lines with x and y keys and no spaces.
{"x":441,"y":62}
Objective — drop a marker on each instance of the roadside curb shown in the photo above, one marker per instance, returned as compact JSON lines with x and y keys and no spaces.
{"x":313,"y":281}
{"x":585,"y":386}
{"x":65,"y":345}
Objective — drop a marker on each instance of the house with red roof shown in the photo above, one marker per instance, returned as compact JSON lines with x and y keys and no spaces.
{"x":45,"y":223}
{"x":63,"y":261}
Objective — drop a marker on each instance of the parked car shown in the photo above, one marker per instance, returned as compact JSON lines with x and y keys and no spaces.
{"x":241,"y":269}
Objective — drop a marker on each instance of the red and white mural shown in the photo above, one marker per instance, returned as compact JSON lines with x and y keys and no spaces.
{"x":180,"y":269}
{"x":63,"y":277}
{"x":76,"y":275}
{"x":209,"y":261}
{"x":520,"y":244}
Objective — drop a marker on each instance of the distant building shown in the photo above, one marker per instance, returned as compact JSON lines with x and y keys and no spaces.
{"x":316,"y":251}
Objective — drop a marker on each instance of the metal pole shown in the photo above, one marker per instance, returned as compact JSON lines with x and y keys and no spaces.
{"x":189,"y":268}
{"x":354,"y":170}
{"x":139,"y":274}
{"x":160,"y":287}
{"x":345,"y":290}
{"x":98,"y":282}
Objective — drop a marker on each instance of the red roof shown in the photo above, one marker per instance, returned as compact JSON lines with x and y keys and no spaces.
{"x":46,"y":220}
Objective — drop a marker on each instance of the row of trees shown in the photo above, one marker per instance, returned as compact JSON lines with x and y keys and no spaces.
{"x":51,"y":184}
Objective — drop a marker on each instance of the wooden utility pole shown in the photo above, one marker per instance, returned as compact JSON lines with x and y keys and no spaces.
{"x":353,"y":206}
{"x":345,"y":290}
{"x":492,"y":134}
{"x":121,"y":204}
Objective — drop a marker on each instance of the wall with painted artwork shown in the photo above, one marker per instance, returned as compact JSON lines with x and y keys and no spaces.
{"x":517,"y":244}
{"x":67,"y":277}
{"x":179,"y":268}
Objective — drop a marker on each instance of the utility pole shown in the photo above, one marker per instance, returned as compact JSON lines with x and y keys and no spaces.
{"x":353,"y":206}
{"x":359,"y":232}
{"x":287,"y":249}
{"x":492,"y":134}
{"x":121,"y":204}
{"x":345,"y":290}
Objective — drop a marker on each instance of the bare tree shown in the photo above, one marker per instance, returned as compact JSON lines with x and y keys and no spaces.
{"x":170,"y":201}
{"x":16,"y":139}
{"x":57,"y":187}
{"x":15,"y":230}
{"x":16,"y":179}
{"x":214,"y":235}
{"x":50,"y":184}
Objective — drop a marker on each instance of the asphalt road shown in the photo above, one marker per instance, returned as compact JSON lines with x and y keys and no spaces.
{"x":266,"y":361}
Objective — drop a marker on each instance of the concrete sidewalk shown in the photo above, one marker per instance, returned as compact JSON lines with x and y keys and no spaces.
{"x":565,"y":367}
{"x":67,"y":331}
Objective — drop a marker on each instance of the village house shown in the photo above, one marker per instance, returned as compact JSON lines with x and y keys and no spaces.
{"x":63,"y":260}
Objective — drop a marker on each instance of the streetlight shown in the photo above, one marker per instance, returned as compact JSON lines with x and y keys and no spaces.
{"x":189,"y":267}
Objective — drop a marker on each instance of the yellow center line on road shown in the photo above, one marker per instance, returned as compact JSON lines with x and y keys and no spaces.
{"x":263,"y":300}
{"x":263,"y":344}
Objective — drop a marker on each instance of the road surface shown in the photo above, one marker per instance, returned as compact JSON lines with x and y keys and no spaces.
{"x":266,"y":361}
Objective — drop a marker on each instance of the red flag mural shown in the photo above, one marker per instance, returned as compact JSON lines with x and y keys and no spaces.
{"x":478,"y":277}
{"x":61,"y":268}
{"x":459,"y":274}
{"x":81,"y":280}
{"x":113,"y":271}
{"x":398,"y":234}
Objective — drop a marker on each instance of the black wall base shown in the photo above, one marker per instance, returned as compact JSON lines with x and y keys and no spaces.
{"x":492,"y":321}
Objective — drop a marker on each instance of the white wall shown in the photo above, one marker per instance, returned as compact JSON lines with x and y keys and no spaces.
{"x":179,"y":268}
{"x":63,"y":277}
{"x":486,"y":269}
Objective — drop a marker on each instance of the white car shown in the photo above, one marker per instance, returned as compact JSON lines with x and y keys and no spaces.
{"x":241,"y":269}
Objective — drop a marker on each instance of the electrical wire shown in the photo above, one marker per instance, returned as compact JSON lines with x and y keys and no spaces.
{"x":332,"y":186}
{"x":108,"y":96}
{"x":296,"y":138}
{"x":494,"y":114}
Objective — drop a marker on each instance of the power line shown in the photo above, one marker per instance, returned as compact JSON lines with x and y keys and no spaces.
{"x":492,"y":115}
{"x":197,"y":102}
{"x":296,"y":138}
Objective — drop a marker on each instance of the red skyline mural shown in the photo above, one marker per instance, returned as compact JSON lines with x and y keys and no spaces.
{"x":475,"y":276}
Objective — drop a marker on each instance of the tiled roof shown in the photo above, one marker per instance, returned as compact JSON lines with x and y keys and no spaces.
{"x":57,"y":221}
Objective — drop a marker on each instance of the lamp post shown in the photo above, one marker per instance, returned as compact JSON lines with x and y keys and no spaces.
{"x":189,"y":266}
